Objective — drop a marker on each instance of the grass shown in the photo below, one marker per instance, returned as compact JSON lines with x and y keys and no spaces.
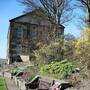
{"x":2,"y":84}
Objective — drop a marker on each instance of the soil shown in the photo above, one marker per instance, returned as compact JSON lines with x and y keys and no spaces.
{"x":83,"y":85}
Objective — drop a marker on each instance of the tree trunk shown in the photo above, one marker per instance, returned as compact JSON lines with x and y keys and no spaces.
{"x":88,"y":19}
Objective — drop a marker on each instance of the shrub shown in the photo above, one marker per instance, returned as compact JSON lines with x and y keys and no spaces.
{"x":14,"y":69}
{"x":31,"y":77}
{"x":62,"y":68}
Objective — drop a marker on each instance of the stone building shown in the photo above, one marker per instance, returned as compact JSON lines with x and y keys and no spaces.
{"x":26,"y":31}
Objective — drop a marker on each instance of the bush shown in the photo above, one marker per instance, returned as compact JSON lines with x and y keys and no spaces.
{"x":62,"y":68}
{"x":14,"y":69}
{"x":31,"y":77}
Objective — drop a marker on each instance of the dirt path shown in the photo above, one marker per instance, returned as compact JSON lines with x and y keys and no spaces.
{"x":85,"y":85}
{"x":10,"y":82}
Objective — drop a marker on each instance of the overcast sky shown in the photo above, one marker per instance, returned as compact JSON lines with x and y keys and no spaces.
{"x":10,"y":9}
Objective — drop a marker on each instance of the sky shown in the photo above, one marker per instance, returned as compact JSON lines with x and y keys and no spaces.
{"x":10,"y":9}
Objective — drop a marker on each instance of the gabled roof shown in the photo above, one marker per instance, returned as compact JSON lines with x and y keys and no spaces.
{"x":37,"y":12}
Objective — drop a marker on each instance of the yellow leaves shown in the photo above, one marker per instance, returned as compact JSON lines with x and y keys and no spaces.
{"x":87,"y":30}
{"x":82,"y":48}
{"x":84,"y":39}
{"x":78,"y":43}
{"x":86,"y":34}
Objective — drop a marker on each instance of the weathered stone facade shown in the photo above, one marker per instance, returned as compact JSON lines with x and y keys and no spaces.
{"x":26,"y":31}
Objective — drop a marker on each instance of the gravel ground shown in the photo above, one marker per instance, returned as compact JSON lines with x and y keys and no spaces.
{"x":83,"y":85}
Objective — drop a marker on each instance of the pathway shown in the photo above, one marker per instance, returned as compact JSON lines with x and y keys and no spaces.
{"x":10,"y":83}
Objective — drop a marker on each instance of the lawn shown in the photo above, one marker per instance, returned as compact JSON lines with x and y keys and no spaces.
{"x":2,"y":84}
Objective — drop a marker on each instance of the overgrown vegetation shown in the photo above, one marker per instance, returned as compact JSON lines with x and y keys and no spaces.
{"x":82,"y":51}
{"x":14,"y":69}
{"x":49,"y":53}
{"x":69,"y":48}
{"x":31,"y":77}
{"x":62,"y":69}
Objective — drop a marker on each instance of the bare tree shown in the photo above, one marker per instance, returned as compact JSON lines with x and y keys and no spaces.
{"x":58,"y":11}
{"x":86,"y":4}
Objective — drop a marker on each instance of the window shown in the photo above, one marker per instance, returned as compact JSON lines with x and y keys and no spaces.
{"x":18,"y":49}
{"x":33,"y":32}
{"x":19,"y":32}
